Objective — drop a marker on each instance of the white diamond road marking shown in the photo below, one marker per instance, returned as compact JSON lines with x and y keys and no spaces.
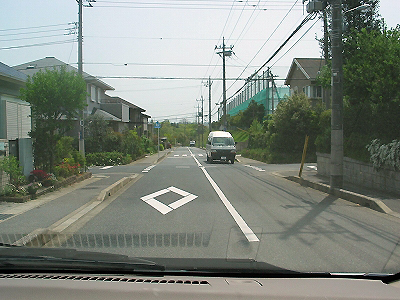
{"x":163,"y":208}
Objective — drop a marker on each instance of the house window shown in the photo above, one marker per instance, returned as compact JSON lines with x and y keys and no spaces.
{"x":98,"y":95}
{"x":318,"y":92}
{"x":93,"y":93}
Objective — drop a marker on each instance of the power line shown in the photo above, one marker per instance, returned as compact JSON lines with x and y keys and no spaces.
{"x":166,"y":78}
{"x":267,"y":39}
{"x":295,"y":43}
{"x":33,"y":27}
{"x":32,"y":32}
{"x":40,"y":44}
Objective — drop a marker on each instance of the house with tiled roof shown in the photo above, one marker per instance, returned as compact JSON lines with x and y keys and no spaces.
{"x":302,"y":77}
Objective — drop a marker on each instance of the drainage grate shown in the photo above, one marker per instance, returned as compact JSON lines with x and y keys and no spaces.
{"x":5,"y":216}
{"x":103,"y":278}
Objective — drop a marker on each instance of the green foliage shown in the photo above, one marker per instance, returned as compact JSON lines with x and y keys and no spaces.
{"x":385,"y":155}
{"x":323,"y":139}
{"x":240,"y":135}
{"x":260,"y":154}
{"x":372,"y":89}
{"x":11,"y":190}
{"x":113,"y":142}
{"x":65,"y":150}
{"x":68,"y":167}
{"x":55,"y":97}
{"x":96,"y":132}
{"x":131,"y":144}
{"x":10,"y":165}
{"x":257,"y":137}
{"x":108,"y":158}
{"x":324,"y":78}
{"x":291,"y":122}
{"x":148,"y":145}
{"x":245,"y":118}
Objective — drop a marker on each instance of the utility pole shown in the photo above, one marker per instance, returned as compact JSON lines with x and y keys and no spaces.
{"x":202,"y":119}
{"x":326,"y":92}
{"x":272,"y":91}
{"x":80,"y":72}
{"x":224,"y":53}
{"x":208,"y":84}
{"x":336,"y":177}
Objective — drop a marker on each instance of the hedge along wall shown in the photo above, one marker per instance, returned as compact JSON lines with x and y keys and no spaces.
{"x":362,"y":174}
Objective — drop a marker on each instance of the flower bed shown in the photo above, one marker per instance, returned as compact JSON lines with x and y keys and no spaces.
{"x":43,"y":190}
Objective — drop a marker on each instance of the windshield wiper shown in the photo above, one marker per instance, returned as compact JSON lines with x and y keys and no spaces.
{"x":70,"y":259}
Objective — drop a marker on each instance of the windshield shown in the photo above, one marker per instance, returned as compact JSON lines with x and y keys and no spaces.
{"x":106,"y":112}
{"x":223,"y":141}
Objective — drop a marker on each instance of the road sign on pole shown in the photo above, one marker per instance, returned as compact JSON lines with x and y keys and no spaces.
{"x":158,"y":126}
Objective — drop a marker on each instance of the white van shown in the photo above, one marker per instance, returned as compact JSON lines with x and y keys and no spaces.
{"x":220,"y":146}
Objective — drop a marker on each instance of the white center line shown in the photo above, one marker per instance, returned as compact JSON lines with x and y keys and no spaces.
{"x":105,"y":168}
{"x":248,"y":233}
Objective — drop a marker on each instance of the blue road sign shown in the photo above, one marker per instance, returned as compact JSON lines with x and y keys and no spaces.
{"x":157,"y":125}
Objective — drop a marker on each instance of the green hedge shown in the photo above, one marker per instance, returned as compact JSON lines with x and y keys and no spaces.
{"x":107,"y":158}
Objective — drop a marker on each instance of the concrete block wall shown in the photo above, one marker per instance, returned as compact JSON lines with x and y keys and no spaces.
{"x":362,"y":174}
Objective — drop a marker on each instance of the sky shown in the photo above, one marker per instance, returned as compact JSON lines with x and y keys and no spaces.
{"x":159,"y":54}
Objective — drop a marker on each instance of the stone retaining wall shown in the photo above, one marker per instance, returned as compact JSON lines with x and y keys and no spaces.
{"x":362,"y":174}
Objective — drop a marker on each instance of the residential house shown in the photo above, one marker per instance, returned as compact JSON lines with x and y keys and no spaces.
{"x":302,"y":77}
{"x":121,"y":114}
{"x":15,"y":120}
{"x":95,"y":88}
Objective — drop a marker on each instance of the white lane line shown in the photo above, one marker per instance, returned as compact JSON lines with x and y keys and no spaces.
{"x":105,"y":168}
{"x":184,"y":155}
{"x":176,"y":154}
{"x":148,"y":169}
{"x":200,"y":155}
{"x":255,"y":168}
{"x":248,"y":233}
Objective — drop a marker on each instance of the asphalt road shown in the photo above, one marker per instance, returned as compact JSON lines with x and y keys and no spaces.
{"x":186,"y":207}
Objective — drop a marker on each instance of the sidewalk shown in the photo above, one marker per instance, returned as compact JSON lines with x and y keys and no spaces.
{"x":374,"y":199}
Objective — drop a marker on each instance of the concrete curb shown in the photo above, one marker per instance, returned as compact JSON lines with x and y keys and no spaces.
{"x":362,"y":200}
{"x":112,"y":189}
{"x":163,"y":156}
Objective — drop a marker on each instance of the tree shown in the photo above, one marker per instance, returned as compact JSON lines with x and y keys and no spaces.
{"x":96,"y":131}
{"x":55,"y":97}
{"x":356,"y":20}
{"x":293,"y":119}
{"x":372,"y":89}
{"x":245,"y":118}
